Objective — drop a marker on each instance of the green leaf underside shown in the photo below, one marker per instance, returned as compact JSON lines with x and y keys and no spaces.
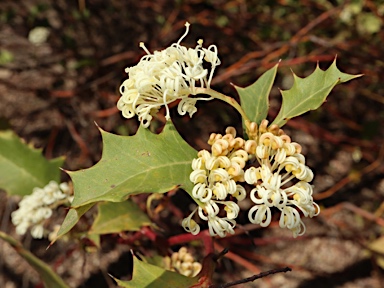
{"x":254,"y":98}
{"x":24,"y":167}
{"x":149,"y":276}
{"x":143,"y":163}
{"x":49,"y":277}
{"x":117,"y":217}
{"x":71,"y":219}
{"x":309,"y":93}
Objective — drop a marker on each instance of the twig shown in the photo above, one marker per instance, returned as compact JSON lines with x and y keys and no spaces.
{"x":352,"y":177}
{"x":79,"y":141}
{"x":349,"y":206}
{"x":252,"y":278}
{"x":220,"y":255}
{"x":238,"y":259}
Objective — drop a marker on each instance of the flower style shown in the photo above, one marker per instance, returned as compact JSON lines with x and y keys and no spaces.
{"x":281,"y":180}
{"x":165,"y":76}
{"x":35,"y":208}
{"x":215,"y":175}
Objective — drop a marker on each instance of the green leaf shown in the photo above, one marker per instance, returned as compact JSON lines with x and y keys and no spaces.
{"x":254,"y":98}
{"x":149,"y":276}
{"x":378,"y":247}
{"x":309,"y":93}
{"x":49,"y":277}
{"x":72,"y":217}
{"x":23,"y":167}
{"x":143,"y":163}
{"x":117,"y":217}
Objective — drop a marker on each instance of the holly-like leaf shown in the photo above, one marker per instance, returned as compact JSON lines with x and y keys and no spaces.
{"x":50,"y":278}
{"x":23,"y":167}
{"x":143,"y":163}
{"x":149,"y":276}
{"x":254,"y":98}
{"x":117,"y":217}
{"x":309,"y":93}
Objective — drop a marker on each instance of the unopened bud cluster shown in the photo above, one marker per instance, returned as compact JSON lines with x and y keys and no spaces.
{"x":184,"y":263}
{"x":36,"y":208}
{"x":280,"y":180}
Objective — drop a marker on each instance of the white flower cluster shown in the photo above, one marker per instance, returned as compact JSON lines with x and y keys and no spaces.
{"x":215,"y":175}
{"x":165,"y":76}
{"x":35,"y":208}
{"x":281,"y":180}
{"x":184,"y":263}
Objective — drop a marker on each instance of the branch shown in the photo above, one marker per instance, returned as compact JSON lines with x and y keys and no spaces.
{"x":252,"y":278}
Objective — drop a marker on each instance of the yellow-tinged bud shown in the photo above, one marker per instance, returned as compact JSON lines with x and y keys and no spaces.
{"x":231,"y":130}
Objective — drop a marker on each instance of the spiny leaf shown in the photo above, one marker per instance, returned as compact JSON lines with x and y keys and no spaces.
{"x":149,"y":276}
{"x":23,"y":167}
{"x":118,"y":217}
{"x":309,"y":93}
{"x":254,"y":98}
{"x":50,"y":278}
{"x":143,"y":163}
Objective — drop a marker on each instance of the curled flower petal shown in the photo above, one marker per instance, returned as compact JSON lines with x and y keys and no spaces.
{"x":202,"y":192}
{"x":289,"y":218}
{"x":220,"y":191}
{"x":231,"y":208}
{"x":220,"y":147}
{"x":198,"y":176}
{"x":218,"y":174}
{"x":260,"y":214}
{"x":252,"y":175}
{"x":210,"y":209}
{"x":298,"y":230}
{"x":250,"y":146}
{"x":240,"y":193}
{"x":220,"y":226}
{"x":231,"y":130}
{"x":190,"y":225}
{"x":218,"y":162}
{"x":187,"y":105}
{"x":257,"y":194}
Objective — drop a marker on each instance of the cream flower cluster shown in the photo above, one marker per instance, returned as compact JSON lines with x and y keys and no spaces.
{"x":165,"y":76}
{"x":215,"y":175}
{"x":37,"y":207}
{"x":280,"y":180}
{"x":184,"y":263}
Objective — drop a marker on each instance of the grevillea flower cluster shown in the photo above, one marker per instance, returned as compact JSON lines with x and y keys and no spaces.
{"x":268,"y":162}
{"x":36,"y":208}
{"x":279,"y":181}
{"x":215,"y":175}
{"x":165,"y":76}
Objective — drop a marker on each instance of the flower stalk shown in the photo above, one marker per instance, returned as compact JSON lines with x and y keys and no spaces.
{"x":226,"y":99}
